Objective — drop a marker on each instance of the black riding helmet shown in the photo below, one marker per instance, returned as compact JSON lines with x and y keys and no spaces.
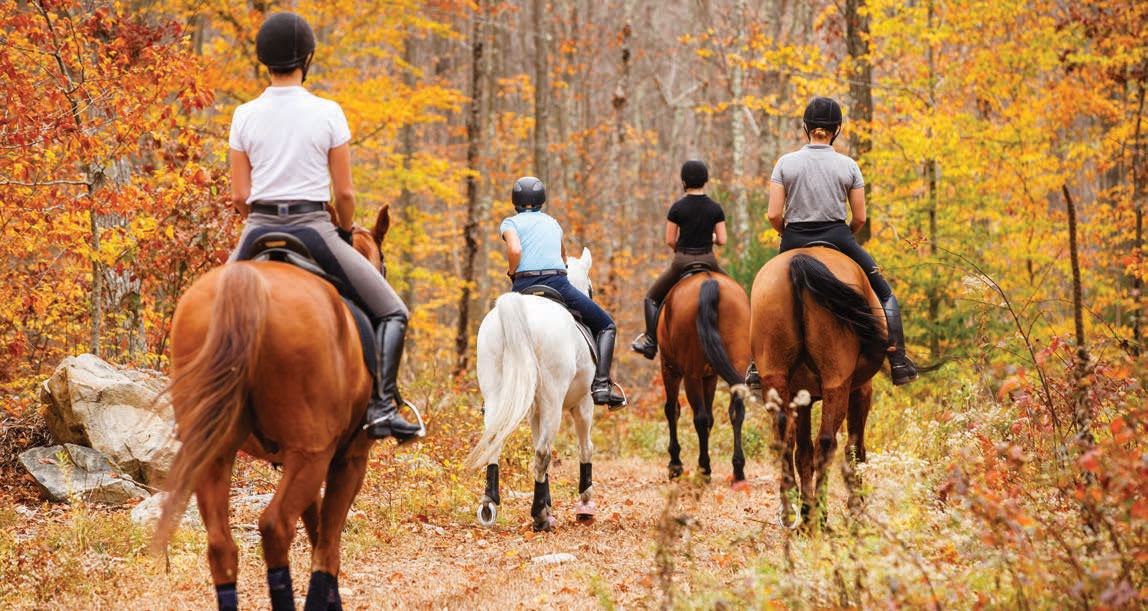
{"x":823,"y":112}
{"x":285,"y":42}
{"x":529,"y":194}
{"x":694,"y":174}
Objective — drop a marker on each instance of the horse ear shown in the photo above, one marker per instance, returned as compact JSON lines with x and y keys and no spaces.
{"x":382,"y":223}
{"x":586,"y":256}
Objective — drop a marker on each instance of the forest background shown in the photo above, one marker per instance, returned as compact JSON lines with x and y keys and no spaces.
{"x":1002,"y":143}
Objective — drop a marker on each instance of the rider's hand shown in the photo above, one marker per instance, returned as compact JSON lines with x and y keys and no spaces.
{"x":346,"y":235}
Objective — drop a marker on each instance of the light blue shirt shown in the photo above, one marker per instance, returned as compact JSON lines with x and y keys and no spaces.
{"x":541,"y":238}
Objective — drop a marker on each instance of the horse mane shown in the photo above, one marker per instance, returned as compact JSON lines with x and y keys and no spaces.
{"x":849,"y":308}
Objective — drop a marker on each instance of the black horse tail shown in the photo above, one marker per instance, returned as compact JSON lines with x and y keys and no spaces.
{"x":708,"y":333}
{"x":850,"y":308}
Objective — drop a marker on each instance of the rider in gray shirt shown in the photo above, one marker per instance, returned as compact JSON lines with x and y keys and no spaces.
{"x":811,"y":193}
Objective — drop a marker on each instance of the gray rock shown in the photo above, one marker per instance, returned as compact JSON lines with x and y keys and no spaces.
{"x":554,"y":558}
{"x":146,"y":514}
{"x":93,"y":403}
{"x":71,"y":472}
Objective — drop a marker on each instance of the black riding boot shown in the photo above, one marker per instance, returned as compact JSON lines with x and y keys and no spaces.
{"x":647,"y":343}
{"x":383,"y":419}
{"x":602,"y":389}
{"x":901,"y":367}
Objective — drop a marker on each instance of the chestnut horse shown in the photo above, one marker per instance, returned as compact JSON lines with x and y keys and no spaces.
{"x":266,"y":359}
{"x":817,"y":326}
{"x":701,"y":335}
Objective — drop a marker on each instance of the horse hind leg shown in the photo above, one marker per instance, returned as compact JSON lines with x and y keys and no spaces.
{"x":544,"y":427}
{"x":344,"y":479}
{"x":303,"y":474}
{"x":703,"y":420}
{"x":222,"y":553}
{"x":585,"y":510}
{"x":672,"y":383}
{"x":736,"y":418}
{"x":834,"y":406}
{"x":860,"y":401}
{"x":783,"y":445}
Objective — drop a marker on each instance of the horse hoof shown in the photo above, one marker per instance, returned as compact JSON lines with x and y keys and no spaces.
{"x":585,"y":512}
{"x":796,"y":517}
{"x":487,"y":512}
{"x":675,"y":471}
{"x":739,"y":486}
{"x":547,"y":524}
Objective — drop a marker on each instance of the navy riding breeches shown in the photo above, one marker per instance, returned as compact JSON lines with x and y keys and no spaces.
{"x":800,"y":235}
{"x":592,"y":314}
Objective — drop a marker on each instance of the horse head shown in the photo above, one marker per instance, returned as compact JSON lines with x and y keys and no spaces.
{"x":578,"y":272}
{"x":370,"y":243}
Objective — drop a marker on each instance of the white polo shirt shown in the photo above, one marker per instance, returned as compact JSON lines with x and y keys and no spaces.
{"x":287,"y":133}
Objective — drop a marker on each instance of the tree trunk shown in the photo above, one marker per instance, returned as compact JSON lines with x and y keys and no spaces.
{"x":741,"y":223}
{"x":931,"y":177}
{"x":861,"y":91}
{"x":1082,"y":415}
{"x":406,"y":197}
{"x":1138,"y":180}
{"x":541,"y":92}
{"x":97,"y":297}
{"x":470,"y":229}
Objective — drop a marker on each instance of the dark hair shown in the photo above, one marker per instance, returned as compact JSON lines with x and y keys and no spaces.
{"x":694,"y":174}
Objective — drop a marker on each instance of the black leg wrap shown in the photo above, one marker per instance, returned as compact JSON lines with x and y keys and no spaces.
{"x":227,"y":597}
{"x":322,"y":592}
{"x":541,"y":497}
{"x":279,"y":586}
{"x":584,"y":476}
{"x":492,"y":483}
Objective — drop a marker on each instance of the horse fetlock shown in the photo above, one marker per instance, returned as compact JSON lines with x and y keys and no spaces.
{"x":491,"y":491}
{"x":585,"y":477}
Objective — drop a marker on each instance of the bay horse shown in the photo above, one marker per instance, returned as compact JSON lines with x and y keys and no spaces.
{"x":533,"y":360}
{"x":701,"y":336}
{"x":266,"y":359}
{"x":817,"y":326}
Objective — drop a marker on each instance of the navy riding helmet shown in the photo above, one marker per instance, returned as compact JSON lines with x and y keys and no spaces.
{"x":285,"y":42}
{"x":825,"y":113}
{"x":528,"y":194}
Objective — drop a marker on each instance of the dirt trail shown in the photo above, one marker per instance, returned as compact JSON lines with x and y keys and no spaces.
{"x":459,"y":564}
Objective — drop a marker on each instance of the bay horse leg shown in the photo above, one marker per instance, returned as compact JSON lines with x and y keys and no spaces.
{"x":311,"y":521}
{"x":834,"y":406}
{"x":544,"y":423}
{"x":804,"y":457}
{"x":344,"y":479}
{"x":860,"y":401}
{"x":303,"y":474}
{"x":696,"y":395}
{"x":673,"y":383}
{"x":736,"y":417}
{"x":784,"y":443}
{"x":222,"y":554}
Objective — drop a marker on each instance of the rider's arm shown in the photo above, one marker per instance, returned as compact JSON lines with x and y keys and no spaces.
{"x":513,"y":250}
{"x":339,"y":160}
{"x":857,"y":207}
{"x":240,"y":181}
{"x":719,"y":233}
{"x":672,"y":234}
{"x":776,"y":210}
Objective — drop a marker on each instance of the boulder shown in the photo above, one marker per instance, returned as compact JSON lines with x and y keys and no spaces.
{"x":93,"y":403}
{"x":70,"y":472}
{"x":146,"y":514}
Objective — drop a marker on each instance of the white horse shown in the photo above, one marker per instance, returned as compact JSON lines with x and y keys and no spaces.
{"x":532,"y":359}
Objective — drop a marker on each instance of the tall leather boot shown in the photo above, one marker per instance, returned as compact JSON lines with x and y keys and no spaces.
{"x":901,"y":367}
{"x":383,"y":419}
{"x":647,"y":343}
{"x":602,"y":389}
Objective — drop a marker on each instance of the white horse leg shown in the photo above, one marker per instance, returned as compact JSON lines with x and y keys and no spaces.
{"x":585,"y":510}
{"x":544,"y":422}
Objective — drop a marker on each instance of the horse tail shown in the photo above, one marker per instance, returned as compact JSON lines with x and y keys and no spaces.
{"x":519,"y":381}
{"x":707,"y":324}
{"x":212,"y":390}
{"x":849,"y":308}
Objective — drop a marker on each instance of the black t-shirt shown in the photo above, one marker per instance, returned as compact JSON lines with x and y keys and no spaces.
{"x":696,"y":216}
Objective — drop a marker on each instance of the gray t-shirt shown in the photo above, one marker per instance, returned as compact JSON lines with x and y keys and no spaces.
{"x":817,"y":182}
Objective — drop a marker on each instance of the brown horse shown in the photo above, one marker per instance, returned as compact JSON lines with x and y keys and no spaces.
{"x":266,"y":358}
{"x":701,"y":335}
{"x":817,"y":326}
